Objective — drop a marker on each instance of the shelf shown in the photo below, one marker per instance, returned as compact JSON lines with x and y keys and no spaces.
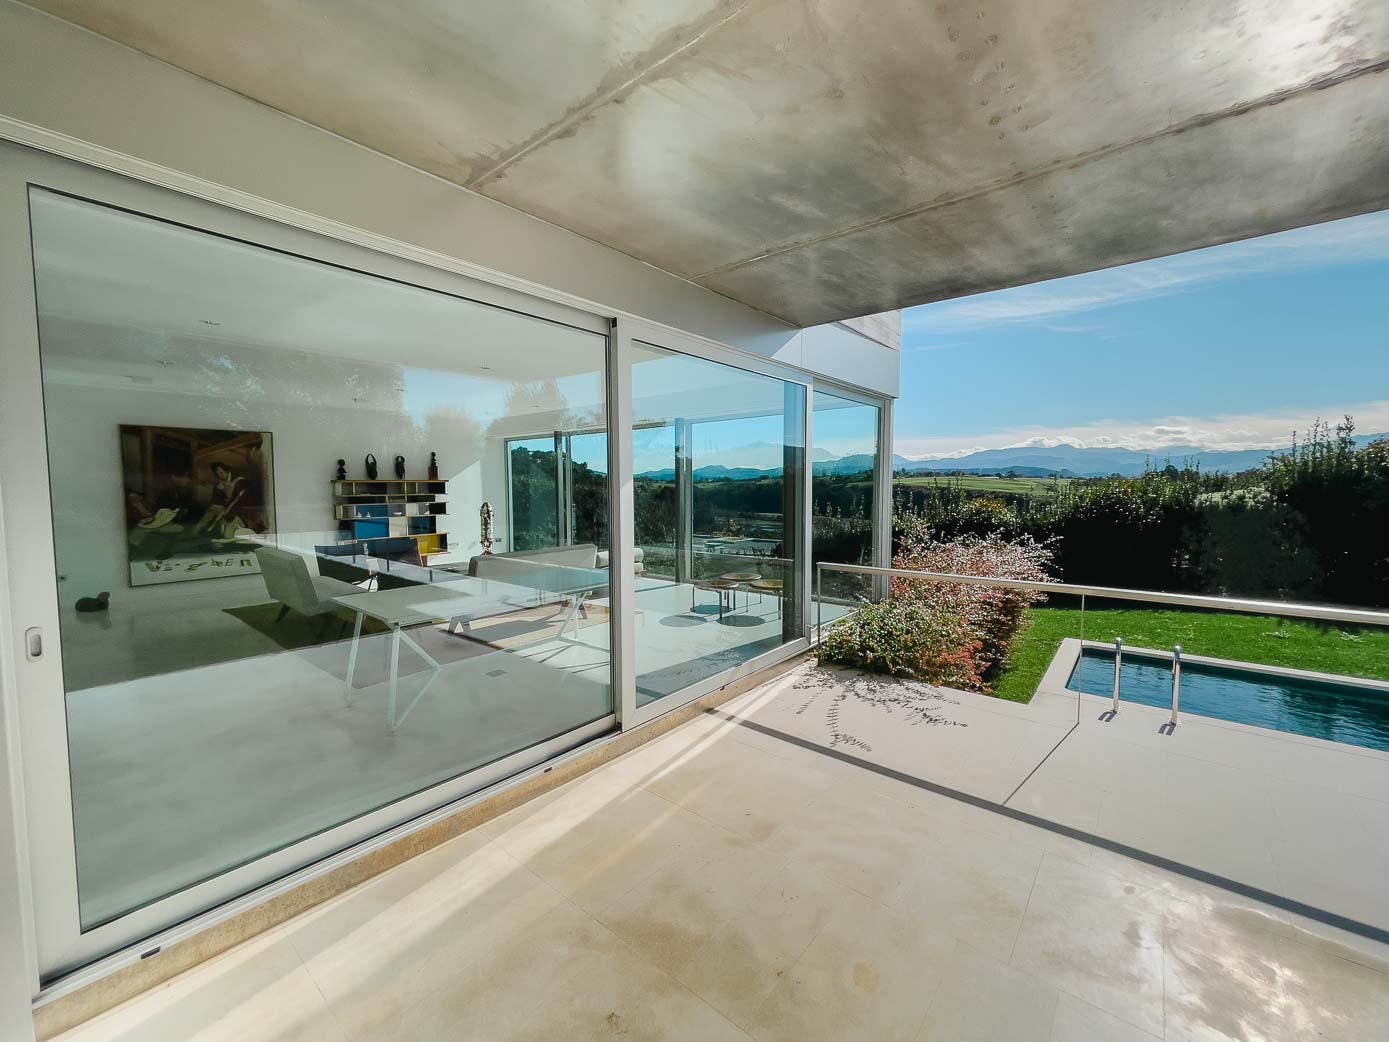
{"x":369,"y":510}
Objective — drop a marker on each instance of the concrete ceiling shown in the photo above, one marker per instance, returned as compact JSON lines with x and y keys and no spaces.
{"x":822,"y":159}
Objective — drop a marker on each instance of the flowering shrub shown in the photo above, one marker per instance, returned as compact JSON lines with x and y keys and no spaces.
{"x":997,"y":614}
{"x":907,"y":637}
{"x":943,"y":632}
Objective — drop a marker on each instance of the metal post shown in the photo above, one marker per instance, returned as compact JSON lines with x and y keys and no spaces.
{"x":1118,"y":659}
{"x":1176,"y":682}
{"x":819,"y":604}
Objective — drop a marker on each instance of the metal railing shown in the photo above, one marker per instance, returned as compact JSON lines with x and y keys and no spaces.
{"x":1240,"y":605}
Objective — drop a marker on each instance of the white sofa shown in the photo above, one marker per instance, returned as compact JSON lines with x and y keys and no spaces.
{"x":580,"y":555}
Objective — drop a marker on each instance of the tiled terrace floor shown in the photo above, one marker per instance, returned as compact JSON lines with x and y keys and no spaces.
{"x":722,"y":882}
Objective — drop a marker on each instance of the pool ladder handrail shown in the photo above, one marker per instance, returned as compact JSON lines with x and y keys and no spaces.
{"x":1118,"y":659}
{"x":1176,"y":682}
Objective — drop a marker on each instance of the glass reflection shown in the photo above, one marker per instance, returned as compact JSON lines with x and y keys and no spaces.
{"x":275,"y":484}
{"x":718,"y":458}
{"x":843,"y":497}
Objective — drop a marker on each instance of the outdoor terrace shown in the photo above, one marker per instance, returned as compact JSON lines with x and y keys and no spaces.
{"x":836,"y":856}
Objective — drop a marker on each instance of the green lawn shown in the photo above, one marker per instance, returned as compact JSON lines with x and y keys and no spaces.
{"x":980,"y":483}
{"x":1245,"y":638}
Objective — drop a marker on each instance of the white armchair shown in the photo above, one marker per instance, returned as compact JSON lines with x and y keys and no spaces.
{"x":287,"y":580}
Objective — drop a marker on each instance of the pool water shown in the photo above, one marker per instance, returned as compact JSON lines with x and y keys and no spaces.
{"x":1335,"y":712}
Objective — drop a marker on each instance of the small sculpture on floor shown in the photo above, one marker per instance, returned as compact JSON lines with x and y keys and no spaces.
{"x":98,"y":603}
{"x":486,"y":514}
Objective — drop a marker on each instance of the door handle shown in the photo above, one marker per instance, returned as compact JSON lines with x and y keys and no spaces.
{"x":33,"y":643}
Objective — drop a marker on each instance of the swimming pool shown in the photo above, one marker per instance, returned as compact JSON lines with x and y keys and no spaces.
{"x":1318,"y":709}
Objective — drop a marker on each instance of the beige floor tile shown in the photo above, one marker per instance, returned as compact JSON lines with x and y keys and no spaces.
{"x":672,"y":911}
{"x":981,"y":999}
{"x":868,"y":974}
{"x":1060,"y":800}
{"x":568,"y":978}
{"x":595,"y":854}
{"x":382,"y":947}
{"x":1028,"y":836}
{"x":857,"y":837}
{"x":737,"y":968}
{"x":1227,"y":982}
{"x":1078,"y":1021}
{"x":1097,"y":936}
{"x":1342,"y":1001}
{"x":259,"y":991}
{"x":739,"y":787}
{"x":1341,"y":943}
{"x":972,"y":885}
{"x":1225,"y":979}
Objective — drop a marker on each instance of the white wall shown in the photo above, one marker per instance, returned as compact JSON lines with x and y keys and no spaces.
{"x":311,"y":427}
{"x":67,"y":88}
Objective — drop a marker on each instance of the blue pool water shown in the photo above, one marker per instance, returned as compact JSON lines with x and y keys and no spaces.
{"x":1335,"y":712}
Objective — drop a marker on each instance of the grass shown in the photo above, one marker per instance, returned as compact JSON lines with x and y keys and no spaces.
{"x":1245,"y":638}
{"x":983,"y":483}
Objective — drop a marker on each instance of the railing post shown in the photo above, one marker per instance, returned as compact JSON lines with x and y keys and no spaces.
{"x":819,"y":604}
{"x":1118,"y":658}
{"x":1176,"y":682}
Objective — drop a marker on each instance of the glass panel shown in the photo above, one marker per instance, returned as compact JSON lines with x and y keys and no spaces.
{"x":654,"y":499}
{"x":843,"y":495}
{"x":588,"y":489}
{"x":534,"y":492}
{"x":273,"y":483}
{"x":718,"y":460}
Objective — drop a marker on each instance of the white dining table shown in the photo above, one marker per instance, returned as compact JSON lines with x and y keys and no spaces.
{"x":460,"y":601}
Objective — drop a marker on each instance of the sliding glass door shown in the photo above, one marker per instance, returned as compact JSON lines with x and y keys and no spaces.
{"x":307,"y":541}
{"x":718,"y":488}
{"x":265,"y":617}
{"x":845,"y":497}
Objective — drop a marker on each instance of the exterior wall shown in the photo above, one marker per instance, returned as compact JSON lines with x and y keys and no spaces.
{"x":65,"y":89}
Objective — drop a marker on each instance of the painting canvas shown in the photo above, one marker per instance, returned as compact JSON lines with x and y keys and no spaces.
{"x":197,"y":502}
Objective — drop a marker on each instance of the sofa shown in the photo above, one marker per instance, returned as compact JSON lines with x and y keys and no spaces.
{"x":580,"y":555}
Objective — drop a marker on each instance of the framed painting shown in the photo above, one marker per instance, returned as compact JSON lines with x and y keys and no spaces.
{"x":197,"y":502}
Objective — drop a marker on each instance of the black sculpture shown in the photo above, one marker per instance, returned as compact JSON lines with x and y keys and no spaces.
{"x":400,"y":466}
{"x":433,"y":467}
{"x":98,"y":603}
{"x":371,"y":467}
{"x":342,"y":470}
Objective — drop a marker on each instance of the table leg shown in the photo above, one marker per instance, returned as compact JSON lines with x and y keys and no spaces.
{"x":435,"y":667}
{"x":352,"y":656}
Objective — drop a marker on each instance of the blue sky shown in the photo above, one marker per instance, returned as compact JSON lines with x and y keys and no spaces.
{"x":1229,"y":347}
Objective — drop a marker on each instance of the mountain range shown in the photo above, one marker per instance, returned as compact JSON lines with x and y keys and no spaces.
{"x":1033,"y":461}
{"x":1074,"y":461}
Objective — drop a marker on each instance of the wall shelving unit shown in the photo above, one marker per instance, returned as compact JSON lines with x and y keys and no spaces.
{"x":368,"y":511}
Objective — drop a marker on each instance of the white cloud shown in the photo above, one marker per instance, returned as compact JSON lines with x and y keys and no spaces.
{"x":1353,"y":240}
{"x":1228,"y":432}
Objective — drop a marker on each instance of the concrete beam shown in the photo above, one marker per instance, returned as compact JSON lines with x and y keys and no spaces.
{"x":824,"y":159}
